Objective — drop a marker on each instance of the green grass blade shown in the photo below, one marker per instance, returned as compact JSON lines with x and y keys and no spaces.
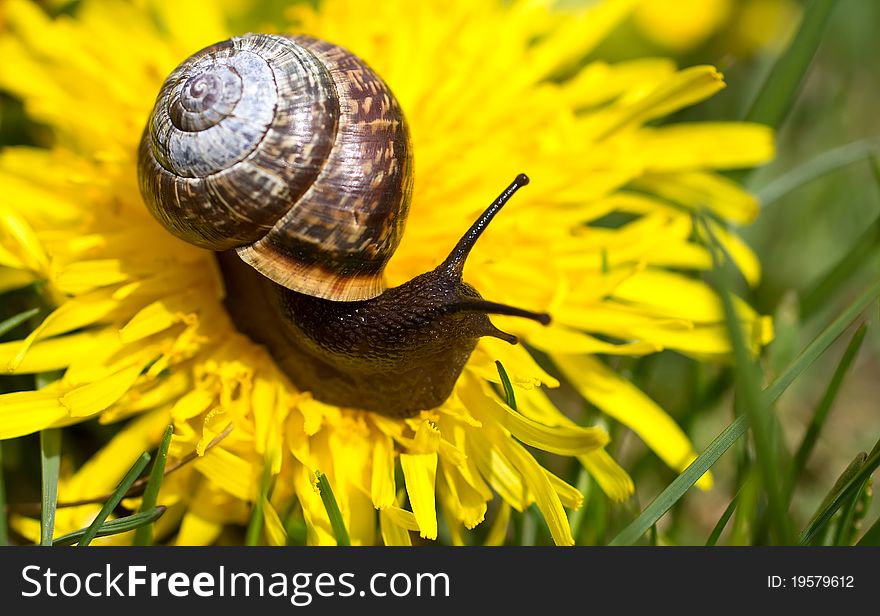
{"x":775,"y":98}
{"x":848,"y":485}
{"x":675,"y":490}
{"x":50,"y":464}
{"x":12,"y":322}
{"x":768,"y":450}
{"x":818,"y":166}
{"x":4,"y":533}
{"x":505,"y":382}
{"x":583,"y":485}
{"x":144,"y":534}
{"x":871,"y":536}
{"x":723,"y":520}
{"x":117,"y":495}
{"x":860,"y":250}
{"x":681,"y":484}
{"x":820,"y":343}
{"x":255,"y":524}
{"x":336,"y":521}
{"x":845,"y":530}
{"x":114,"y":527}
{"x":821,"y":413}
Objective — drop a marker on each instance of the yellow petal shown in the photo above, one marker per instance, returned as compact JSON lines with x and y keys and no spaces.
{"x":10,"y":278}
{"x":716,"y":145}
{"x":47,"y":355}
{"x":578,"y":34}
{"x":229,"y":472}
{"x":672,"y":295}
{"x":501,"y":474}
{"x":685,"y":88}
{"x":93,"y":398}
{"x":698,"y":189}
{"x":103,"y":471}
{"x":392,"y":533}
{"x":382,"y":485}
{"x":468,"y":505}
{"x":498,"y":531}
{"x":83,"y":276}
{"x":630,"y":406}
{"x":27,"y":412}
{"x":564,"y":440}
{"x":196,"y":530}
{"x":542,"y":488}
{"x":419,"y":474}
{"x":613,"y":480}
{"x":599,"y":82}
{"x":275,"y":532}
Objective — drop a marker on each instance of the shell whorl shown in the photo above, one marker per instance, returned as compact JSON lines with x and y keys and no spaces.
{"x":290,"y":150}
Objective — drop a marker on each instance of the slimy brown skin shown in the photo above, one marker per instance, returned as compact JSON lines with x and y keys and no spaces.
{"x":396,"y":354}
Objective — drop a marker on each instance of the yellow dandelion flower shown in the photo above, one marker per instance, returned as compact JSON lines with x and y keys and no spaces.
{"x":603,"y":240}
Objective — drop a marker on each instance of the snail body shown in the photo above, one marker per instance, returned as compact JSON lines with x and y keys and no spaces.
{"x":291,"y":158}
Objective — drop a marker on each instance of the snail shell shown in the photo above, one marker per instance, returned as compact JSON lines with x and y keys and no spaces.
{"x":290,"y":150}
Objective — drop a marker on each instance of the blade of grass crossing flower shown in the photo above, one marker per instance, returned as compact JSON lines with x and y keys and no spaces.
{"x":255,"y":525}
{"x":12,"y":322}
{"x":114,"y":527}
{"x":849,"y":484}
{"x":774,"y":100}
{"x":50,"y":465}
{"x":505,"y":382}
{"x":681,"y":484}
{"x":768,"y":447}
{"x":144,"y":534}
{"x":117,"y":495}
{"x":821,"y":414}
{"x":675,"y":490}
{"x":4,"y":533}
{"x":336,"y":521}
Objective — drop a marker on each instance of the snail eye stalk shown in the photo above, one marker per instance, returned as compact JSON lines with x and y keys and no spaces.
{"x":453,"y":266}
{"x":454,"y":263}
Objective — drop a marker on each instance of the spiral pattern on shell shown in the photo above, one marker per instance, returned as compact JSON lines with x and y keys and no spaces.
{"x":290,"y":150}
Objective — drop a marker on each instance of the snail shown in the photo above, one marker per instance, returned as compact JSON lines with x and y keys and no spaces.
{"x":292,"y":159}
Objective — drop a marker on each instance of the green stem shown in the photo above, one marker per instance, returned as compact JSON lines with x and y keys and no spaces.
{"x":330,"y":504}
{"x":144,"y":534}
{"x":50,"y":464}
{"x":115,"y":498}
